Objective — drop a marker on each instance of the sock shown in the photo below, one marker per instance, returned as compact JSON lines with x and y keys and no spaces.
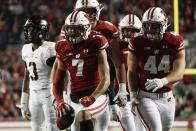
{"x":86,"y":125}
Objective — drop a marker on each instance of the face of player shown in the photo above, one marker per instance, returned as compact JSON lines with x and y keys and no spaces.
{"x":31,"y":36}
{"x":153,"y":31}
{"x":91,"y":14}
{"x":75,"y":33}
{"x":127,"y":33}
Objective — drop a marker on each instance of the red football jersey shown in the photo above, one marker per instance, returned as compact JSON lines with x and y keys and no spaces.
{"x":155,"y":61}
{"x":82,"y":61}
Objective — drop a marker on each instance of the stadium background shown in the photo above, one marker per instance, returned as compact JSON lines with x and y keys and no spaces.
{"x":13,"y":14}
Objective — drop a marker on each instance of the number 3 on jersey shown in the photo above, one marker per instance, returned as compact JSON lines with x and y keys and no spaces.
{"x":79,"y":63}
{"x":164,"y":65}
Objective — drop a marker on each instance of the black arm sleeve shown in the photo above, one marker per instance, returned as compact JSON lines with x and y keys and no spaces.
{"x":50,"y":61}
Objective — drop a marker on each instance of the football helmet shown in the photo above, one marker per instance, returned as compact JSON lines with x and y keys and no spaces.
{"x":129,"y":27}
{"x":91,"y":7}
{"x":36,"y":29}
{"x":77,"y":27}
{"x":154,"y":23}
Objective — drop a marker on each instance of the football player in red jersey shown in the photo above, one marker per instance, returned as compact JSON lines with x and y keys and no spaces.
{"x":84,"y":56}
{"x":110,"y":31}
{"x":156,"y":60}
{"x":129,"y":27}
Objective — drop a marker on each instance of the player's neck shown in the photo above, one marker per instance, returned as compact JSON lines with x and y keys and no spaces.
{"x":35,"y":46}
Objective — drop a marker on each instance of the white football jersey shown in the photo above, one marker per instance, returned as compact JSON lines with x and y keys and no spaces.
{"x":39,"y":71}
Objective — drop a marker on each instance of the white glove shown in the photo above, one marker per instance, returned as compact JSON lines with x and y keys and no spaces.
{"x":155,"y":84}
{"x":24,"y":106}
{"x":121,"y":96}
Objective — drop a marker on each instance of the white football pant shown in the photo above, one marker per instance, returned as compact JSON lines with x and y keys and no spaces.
{"x":42,"y":110}
{"x":156,"y":110}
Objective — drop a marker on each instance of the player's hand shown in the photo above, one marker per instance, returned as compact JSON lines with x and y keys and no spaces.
{"x":25,"y":111}
{"x":61,"y":107}
{"x":24,"y":106}
{"x":155,"y":84}
{"x":121,"y":97}
{"x":87,"y":100}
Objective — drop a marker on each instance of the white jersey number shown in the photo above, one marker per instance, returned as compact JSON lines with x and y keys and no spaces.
{"x":33,"y":76}
{"x":79,"y":63}
{"x":163,"y":66}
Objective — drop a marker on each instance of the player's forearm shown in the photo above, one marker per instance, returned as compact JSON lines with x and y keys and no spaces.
{"x":102,"y":87}
{"x":178,"y":69}
{"x":175,"y":75}
{"x":25,"y":84}
{"x":120,"y":73}
{"x":132,"y":78}
{"x":53,"y":71}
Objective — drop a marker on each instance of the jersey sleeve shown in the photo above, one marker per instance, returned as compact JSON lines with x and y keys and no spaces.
{"x":108,"y":29}
{"x":50,"y":51}
{"x":181,"y":43}
{"x":102,"y":42}
{"x":24,"y":50}
{"x":62,"y":33}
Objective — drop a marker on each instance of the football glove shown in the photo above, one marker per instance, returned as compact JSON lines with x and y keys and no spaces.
{"x":121,"y":97}
{"x":61,"y":108}
{"x":155,"y":84}
{"x":25,"y":106}
{"x":87,"y":100}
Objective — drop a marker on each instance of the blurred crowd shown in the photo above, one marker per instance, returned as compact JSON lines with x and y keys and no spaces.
{"x":13,"y":14}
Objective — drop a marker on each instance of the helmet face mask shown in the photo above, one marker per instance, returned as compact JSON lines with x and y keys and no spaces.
{"x":153,"y":30}
{"x":75,"y":33}
{"x":90,"y":12}
{"x":154,"y":23}
{"x":36,"y":29}
{"x":128,"y":32}
{"x":77,"y":27}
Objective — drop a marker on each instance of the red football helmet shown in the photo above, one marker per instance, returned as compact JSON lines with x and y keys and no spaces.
{"x":154,"y":23}
{"x":129,"y":27}
{"x":77,"y":27}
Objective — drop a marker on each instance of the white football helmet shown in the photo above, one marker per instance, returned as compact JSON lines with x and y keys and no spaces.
{"x":91,"y":7}
{"x":77,"y":27}
{"x":129,"y":27}
{"x":154,"y":23}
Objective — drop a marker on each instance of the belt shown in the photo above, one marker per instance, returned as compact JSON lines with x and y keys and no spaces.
{"x":155,"y":95}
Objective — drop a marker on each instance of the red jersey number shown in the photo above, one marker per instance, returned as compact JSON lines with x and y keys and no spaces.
{"x":164,"y":65}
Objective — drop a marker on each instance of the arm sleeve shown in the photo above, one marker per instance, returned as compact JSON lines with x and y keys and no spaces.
{"x":49,"y":55}
{"x":103,"y":43}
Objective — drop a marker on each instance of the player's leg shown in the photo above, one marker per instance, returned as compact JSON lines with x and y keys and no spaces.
{"x":49,"y":112}
{"x":126,"y":118}
{"x":102,"y":121}
{"x":149,"y":114}
{"x":36,"y":111}
{"x":113,"y":107}
{"x":87,"y":116}
{"x":138,"y":124}
{"x":167,"y":109}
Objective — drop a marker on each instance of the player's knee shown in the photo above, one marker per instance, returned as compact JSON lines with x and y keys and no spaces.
{"x":84,"y":115}
{"x":156,"y":127}
{"x":36,"y":126}
{"x":126,"y":111}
